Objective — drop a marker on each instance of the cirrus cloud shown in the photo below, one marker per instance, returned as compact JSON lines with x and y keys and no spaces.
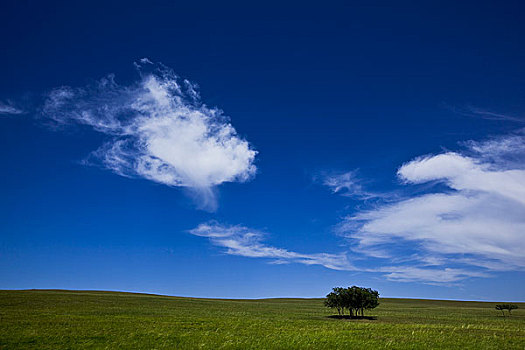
{"x":247,"y":242}
{"x":9,"y":109}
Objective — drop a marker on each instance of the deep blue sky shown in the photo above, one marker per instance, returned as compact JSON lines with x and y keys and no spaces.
{"x":318,"y":91}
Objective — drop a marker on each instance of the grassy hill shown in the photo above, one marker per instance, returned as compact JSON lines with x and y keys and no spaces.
{"x":46,"y":319}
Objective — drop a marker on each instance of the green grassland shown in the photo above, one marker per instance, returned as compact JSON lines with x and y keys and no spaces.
{"x":108,"y":320}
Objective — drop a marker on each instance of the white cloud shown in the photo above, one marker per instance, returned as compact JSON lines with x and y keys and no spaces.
{"x":243,"y":241}
{"x":435,"y":276}
{"x":477,"y":112}
{"x":472,"y":226}
{"x":476,"y":222}
{"x":348,"y":184}
{"x":158,"y":130}
{"x":506,"y":152}
{"x":8,"y":108}
{"x":466,"y":174}
{"x":344,"y":183}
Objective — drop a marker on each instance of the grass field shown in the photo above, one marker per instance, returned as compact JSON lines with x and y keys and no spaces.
{"x":99,"y":320}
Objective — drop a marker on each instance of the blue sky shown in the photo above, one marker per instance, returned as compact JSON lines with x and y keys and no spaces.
{"x":236,"y":150}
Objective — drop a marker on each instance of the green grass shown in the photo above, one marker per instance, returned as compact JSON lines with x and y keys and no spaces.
{"x":100,"y":320}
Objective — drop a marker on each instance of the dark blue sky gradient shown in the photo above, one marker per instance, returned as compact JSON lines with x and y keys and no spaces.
{"x":331,"y":87}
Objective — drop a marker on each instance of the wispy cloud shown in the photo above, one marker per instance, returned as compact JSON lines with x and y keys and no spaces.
{"x":158,"y":129}
{"x":8,"y":108}
{"x":476,"y":112}
{"x":506,"y":152}
{"x":428,"y":275}
{"x":243,"y":241}
{"x":470,"y":226}
{"x":474,"y":226}
{"x":348,"y":184}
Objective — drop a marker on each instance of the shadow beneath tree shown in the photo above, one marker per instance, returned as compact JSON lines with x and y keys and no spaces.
{"x":348,"y":317}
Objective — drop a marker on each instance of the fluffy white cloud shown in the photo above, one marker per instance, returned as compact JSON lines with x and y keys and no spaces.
{"x":466,"y":174}
{"x":159,"y":130}
{"x":243,"y":241}
{"x":477,"y":221}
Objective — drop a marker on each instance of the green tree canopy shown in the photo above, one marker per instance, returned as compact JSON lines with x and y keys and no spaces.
{"x":353,"y":299}
{"x":503,"y":307}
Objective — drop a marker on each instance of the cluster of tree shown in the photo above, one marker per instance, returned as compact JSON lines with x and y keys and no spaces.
{"x":353,"y":299}
{"x":503,"y":307}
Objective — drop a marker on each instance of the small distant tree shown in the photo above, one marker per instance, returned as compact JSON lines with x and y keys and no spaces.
{"x":501,"y":308}
{"x":354,"y":299}
{"x":511,"y":307}
{"x":508,"y":307}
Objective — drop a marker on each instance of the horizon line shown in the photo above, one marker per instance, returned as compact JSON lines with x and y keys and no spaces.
{"x":231,"y":298}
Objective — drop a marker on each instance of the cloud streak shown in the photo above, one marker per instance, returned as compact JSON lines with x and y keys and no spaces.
{"x":243,"y":241}
{"x":482,"y":113}
{"x":9,"y":109}
{"x":158,"y":129}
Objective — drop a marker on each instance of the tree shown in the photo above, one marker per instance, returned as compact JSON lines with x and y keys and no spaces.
{"x":332,"y":301}
{"x":508,"y":307}
{"x":354,"y":299}
{"x":501,"y":308}
{"x":511,"y":307}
